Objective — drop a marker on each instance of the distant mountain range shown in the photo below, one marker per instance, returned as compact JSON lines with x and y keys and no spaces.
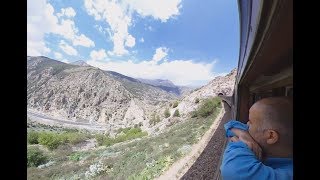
{"x":168,"y":86}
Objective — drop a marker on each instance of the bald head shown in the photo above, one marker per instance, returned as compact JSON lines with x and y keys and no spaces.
{"x":275,"y":113}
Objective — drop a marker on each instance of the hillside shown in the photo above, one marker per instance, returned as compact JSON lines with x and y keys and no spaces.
{"x":89,"y":94}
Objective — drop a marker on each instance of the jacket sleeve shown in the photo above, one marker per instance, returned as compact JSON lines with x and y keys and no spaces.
{"x":239,"y":162}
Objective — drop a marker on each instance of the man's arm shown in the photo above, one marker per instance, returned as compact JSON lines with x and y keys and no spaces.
{"x":245,"y":137}
{"x":239,"y":162}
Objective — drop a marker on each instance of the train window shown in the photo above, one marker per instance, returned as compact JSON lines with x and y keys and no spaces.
{"x":289,"y":91}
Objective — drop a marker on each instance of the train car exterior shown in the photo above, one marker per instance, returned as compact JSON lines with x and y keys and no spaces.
{"x":265,"y":65}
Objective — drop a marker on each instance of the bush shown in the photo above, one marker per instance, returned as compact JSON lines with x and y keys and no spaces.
{"x":176,"y":113}
{"x":197,"y":100}
{"x":128,"y":134}
{"x":72,"y":137}
{"x":167,"y":113}
{"x":175,"y":104}
{"x":99,"y":138}
{"x":50,"y":140}
{"x":194,"y":114}
{"x":35,"y":157}
{"x":32,"y":137}
{"x":154,"y":119}
{"x":208,"y":106}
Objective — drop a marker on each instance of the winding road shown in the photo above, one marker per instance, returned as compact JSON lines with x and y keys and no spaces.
{"x":41,"y":118}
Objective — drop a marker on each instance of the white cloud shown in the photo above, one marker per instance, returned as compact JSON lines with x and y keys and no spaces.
{"x":67,"y":48}
{"x":180,"y":72}
{"x":161,"y":52}
{"x":41,"y":20}
{"x":58,"y":55}
{"x":141,"y":40}
{"x":116,"y":16}
{"x":98,"y":55}
{"x":130,"y":41}
{"x":163,"y":10}
{"x":119,"y":17}
{"x":68,"y":12}
{"x":150,"y":28}
{"x":83,"y":40}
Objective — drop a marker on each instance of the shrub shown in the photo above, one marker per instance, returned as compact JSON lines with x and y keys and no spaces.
{"x":32,"y":137}
{"x":194,"y":114}
{"x":154,"y":119}
{"x":99,"y":138}
{"x":127,"y":134}
{"x":72,"y":137}
{"x":175,"y":104}
{"x":167,"y":113}
{"x":197,"y":100}
{"x":176,"y":113}
{"x":35,"y":157}
{"x":208,"y":106}
{"x":50,"y":140}
{"x":76,"y":156}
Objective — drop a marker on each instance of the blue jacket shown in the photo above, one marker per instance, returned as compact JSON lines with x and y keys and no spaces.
{"x":239,"y":162}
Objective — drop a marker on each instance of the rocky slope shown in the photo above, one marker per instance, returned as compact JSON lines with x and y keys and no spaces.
{"x":89,"y":94}
{"x":220,"y":84}
{"x":187,"y":104}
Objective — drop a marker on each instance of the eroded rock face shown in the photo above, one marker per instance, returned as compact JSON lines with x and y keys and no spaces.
{"x":88,"y":94}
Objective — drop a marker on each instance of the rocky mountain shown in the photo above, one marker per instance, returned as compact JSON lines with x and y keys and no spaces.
{"x":187,"y":104}
{"x":168,"y":86}
{"x":89,"y":94}
{"x":220,"y":84}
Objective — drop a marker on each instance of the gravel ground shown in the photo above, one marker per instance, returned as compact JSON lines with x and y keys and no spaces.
{"x":207,"y":165}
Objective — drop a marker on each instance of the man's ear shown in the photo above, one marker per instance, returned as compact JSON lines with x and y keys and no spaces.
{"x":271,"y":136}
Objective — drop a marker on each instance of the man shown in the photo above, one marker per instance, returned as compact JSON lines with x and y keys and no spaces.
{"x":262,"y":148}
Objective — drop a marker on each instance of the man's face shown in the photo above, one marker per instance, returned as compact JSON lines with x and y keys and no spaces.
{"x":255,"y":124}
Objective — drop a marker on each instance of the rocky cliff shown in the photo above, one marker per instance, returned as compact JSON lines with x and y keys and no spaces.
{"x":220,"y":84}
{"x":89,"y":94}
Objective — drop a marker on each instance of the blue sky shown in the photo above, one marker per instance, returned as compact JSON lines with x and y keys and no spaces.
{"x":186,"y":41}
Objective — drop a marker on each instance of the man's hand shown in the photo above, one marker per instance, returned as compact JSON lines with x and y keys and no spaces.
{"x":245,"y":137}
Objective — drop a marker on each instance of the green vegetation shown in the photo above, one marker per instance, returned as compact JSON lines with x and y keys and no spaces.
{"x":50,"y":140}
{"x":197,"y":100}
{"x":176,"y":113}
{"x":76,"y":156}
{"x":194,"y":114}
{"x":123,"y":135}
{"x":175,"y":104}
{"x":154,"y":119}
{"x":33,"y":137}
{"x":146,"y":158}
{"x":35,"y":157}
{"x":167,"y":113}
{"x":207,"y":107}
{"x":53,"y":139}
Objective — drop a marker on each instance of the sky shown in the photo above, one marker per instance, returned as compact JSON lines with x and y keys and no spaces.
{"x":188,"y":42}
